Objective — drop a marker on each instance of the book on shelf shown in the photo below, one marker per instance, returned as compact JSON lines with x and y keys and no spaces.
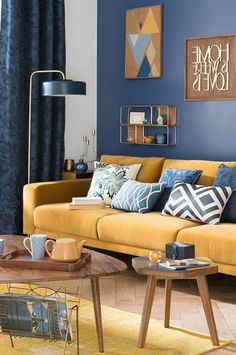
{"x":172,"y":264}
{"x":86,"y":203}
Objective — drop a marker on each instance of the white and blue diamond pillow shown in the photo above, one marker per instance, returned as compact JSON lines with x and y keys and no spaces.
{"x":136,"y":196}
{"x":198,"y":203}
{"x":109,"y":178}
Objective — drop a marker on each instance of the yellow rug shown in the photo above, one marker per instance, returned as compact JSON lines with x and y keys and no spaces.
{"x":120,"y":337}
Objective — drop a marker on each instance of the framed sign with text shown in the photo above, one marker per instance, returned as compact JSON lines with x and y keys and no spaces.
{"x":210,"y":68}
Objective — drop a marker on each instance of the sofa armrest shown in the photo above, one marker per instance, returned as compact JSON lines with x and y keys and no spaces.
{"x":49,"y":192}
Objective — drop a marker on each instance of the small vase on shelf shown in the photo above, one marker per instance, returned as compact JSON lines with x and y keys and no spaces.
{"x":81,"y":166}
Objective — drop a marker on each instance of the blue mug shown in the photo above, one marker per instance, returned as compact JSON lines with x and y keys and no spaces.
{"x":36,"y":245}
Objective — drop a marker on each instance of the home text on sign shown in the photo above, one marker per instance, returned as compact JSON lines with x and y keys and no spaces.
{"x":211,"y":68}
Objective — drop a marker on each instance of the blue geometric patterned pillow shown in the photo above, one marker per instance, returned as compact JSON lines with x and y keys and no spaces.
{"x":226,"y":176}
{"x":197,"y":203}
{"x":172,"y":175}
{"x":137,"y":196}
{"x":108,"y":179}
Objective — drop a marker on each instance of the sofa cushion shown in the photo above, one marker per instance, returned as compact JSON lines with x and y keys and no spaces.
{"x":135,"y":196}
{"x":216,"y":242}
{"x":59,"y":218}
{"x":108,"y":179}
{"x":148,"y":230}
{"x":209,"y":168}
{"x":150,"y":170}
{"x":197,"y":203}
{"x":226,"y":176}
{"x":171,"y":175}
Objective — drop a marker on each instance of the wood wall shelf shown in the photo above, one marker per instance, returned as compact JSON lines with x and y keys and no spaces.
{"x":158,"y":122}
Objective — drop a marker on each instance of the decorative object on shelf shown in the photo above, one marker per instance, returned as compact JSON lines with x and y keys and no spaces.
{"x":146,"y":121}
{"x":210,"y":71}
{"x":89,"y":154}
{"x":69,"y":165}
{"x":143,"y":45}
{"x":162,"y":119}
{"x":81,"y":166}
{"x":93,"y":144}
{"x":136,"y":117}
{"x":140,"y":122}
{"x":52,"y":88}
{"x":130,"y":139}
{"x":148,"y":139}
{"x":86,"y":145}
{"x":161,"y":138}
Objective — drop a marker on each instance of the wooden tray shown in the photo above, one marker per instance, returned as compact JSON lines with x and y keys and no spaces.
{"x":22,"y":259}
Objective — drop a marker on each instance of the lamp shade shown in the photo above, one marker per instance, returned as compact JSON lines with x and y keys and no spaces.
{"x":63,"y":87}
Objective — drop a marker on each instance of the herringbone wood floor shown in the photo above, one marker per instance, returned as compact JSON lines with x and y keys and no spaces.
{"x":126,"y":291}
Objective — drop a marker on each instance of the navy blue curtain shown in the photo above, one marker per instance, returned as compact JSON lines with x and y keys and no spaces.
{"x":32,"y":37}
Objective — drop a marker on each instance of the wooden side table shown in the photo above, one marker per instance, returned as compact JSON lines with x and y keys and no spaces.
{"x":71,"y":175}
{"x":140,"y":264}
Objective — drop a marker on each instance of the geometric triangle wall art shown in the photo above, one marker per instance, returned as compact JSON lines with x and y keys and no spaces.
{"x":143,"y":42}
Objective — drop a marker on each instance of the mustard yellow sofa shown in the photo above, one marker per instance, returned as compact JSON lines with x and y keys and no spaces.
{"x":46,"y":210}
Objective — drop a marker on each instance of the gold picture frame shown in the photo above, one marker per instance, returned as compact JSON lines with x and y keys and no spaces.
{"x":136,"y":117}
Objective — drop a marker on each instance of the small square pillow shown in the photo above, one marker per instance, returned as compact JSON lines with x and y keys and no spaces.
{"x":137,"y":196}
{"x":197,"y":203}
{"x":172,"y":175}
{"x":226,"y":176}
{"x":108,"y":179}
{"x":229,"y":213}
{"x":169,"y":178}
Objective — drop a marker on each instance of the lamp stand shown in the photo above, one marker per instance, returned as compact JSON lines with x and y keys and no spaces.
{"x":30,"y":112}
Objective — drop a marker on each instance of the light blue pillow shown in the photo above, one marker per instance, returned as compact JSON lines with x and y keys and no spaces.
{"x":137,"y":196}
{"x":171,"y":176}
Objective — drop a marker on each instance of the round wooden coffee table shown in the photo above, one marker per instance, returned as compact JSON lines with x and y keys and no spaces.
{"x":101,"y":265}
{"x":141,"y":266}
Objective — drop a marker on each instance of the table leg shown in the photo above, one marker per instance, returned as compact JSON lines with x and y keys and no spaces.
{"x":147,"y":308}
{"x":168,"y":285}
{"x":206,"y":302}
{"x":97,"y":311}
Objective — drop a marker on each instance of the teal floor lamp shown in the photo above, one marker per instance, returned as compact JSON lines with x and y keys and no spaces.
{"x":61,"y":87}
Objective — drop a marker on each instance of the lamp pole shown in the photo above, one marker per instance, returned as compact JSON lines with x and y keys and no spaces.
{"x":30,"y":112}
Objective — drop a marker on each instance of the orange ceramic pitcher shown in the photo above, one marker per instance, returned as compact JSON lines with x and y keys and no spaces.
{"x":65,"y":249}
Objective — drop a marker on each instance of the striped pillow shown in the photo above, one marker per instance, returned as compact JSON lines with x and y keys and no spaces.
{"x":198,"y":203}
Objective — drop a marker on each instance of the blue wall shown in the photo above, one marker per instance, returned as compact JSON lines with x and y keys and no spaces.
{"x":205,"y":129}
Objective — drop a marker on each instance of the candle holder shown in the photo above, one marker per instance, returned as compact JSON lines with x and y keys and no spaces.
{"x":155,"y":256}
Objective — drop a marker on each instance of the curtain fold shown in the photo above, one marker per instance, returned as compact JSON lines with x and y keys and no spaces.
{"x":32,"y":37}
